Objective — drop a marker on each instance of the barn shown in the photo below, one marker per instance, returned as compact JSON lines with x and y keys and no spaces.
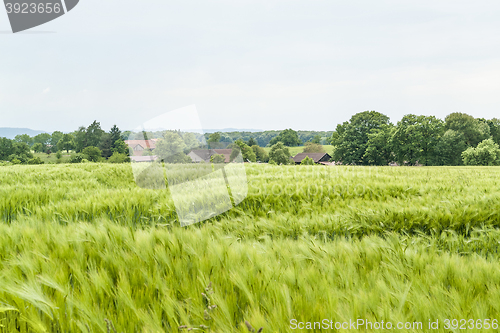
{"x":318,"y":158}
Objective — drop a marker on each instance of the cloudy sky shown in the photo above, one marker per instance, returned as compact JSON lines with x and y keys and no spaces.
{"x":262,"y":64}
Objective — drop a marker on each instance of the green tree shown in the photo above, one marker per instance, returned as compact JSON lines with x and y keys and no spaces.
{"x":118,"y":158}
{"x":307,"y":161}
{"x":54,"y":140}
{"x":450,"y":147}
{"x":316,"y":139}
{"x":120,"y":147}
{"x":93,"y":134}
{"x":171,"y":148}
{"x":486,"y":153}
{"x":280,"y":154}
{"x":288,"y":137}
{"x":91,"y":153}
{"x":379,"y":150}
{"x":24,"y":138}
{"x":37,"y":147}
{"x":252,"y":142}
{"x":351,"y":138}
{"x":246,"y":152}
{"x":105,"y":145}
{"x":5,"y":149}
{"x":217,"y":159}
{"x":311,"y":147}
{"x":474,"y":130}
{"x":22,"y":151}
{"x":116,"y":134}
{"x":43,"y":138}
{"x":80,"y":139}
{"x":191,"y":141}
{"x":334,"y":138}
{"x":214,"y":140}
{"x":66,"y":143}
{"x":494,"y":125}
{"x":415,"y":139}
{"x":260,"y":154}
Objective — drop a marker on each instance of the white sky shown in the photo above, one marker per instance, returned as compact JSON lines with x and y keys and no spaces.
{"x":270,"y":64}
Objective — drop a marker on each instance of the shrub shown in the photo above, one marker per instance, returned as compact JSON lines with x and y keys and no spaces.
{"x":118,"y":158}
{"x":92,"y":154}
{"x":486,"y":153}
{"x":311,"y":147}
{"x":78,"y":158}
{"x":307,"y":161}
{"x":35,"y":160}
{"x":217,"y":158}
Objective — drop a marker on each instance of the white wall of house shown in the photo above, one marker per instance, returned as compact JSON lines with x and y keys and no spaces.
{"x":195,"y":157}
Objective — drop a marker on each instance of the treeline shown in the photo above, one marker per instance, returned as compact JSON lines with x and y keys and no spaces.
{"x":89,"y":143}
{"x":369,"y":138}
{"x":262,"y":139}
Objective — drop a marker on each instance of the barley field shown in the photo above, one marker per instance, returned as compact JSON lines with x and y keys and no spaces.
{"x":83,"y":249}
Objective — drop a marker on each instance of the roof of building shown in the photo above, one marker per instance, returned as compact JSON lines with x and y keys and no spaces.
{"x":151,"y":144}
{"x":315,"y":156}
{"x":205,"y":154}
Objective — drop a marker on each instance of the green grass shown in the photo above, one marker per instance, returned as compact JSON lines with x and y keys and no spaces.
{"x":82,"y":244}
{"x":296,"y":150}
{"x":52,"y":159}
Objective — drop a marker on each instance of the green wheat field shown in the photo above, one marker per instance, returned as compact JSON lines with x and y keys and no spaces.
{"x":83,"y":249}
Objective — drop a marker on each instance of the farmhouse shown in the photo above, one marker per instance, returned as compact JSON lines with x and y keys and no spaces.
{"x":318,"y":158}
{"x":138,"y":146}
{"x":203,"y":155}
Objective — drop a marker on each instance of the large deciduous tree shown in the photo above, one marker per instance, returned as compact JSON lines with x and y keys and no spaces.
{"x":43,"y":138}
{"x":288,"y":137}
{"x":415,"y":139}
{"x":116,"y":134}
{"x":171,"y":148}
{"x":280,"y":154}
{"x":311,"y":147}
{"x":66,"y":143}
{"x":80,"y":139}
{"x":450,"y":147}
{"x":260,"y":154}
{"x":93,"y":154}
{"x":24,"y":138}
{"x":379,"y":150}
{"x":351,"y":138}
{"x":473,"y":129}
{"x":246,"y":152}
{"x":486,"y":153}
{"x":54,"y":140}
{"x":105,"y":145}
{"x":5,"y":148}
{"x":93,"y":134}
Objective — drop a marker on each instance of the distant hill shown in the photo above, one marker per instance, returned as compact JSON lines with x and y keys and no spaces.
{"x":10,"y":133}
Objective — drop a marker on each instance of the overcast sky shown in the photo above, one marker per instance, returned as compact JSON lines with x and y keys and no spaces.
{"x":262,"y":64}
